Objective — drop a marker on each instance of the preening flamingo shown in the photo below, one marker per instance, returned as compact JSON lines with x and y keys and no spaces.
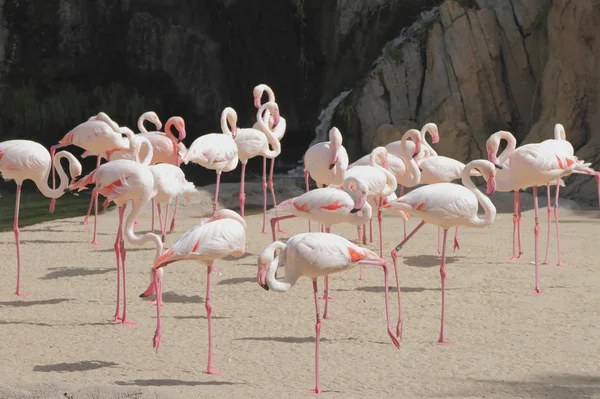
{"x":396,"y":147}
{"x":535,"y":165}
{"x":403,"y":165}
{"x":96,"y":136}
{"x":21,"y":160}
{"x":314,"y":255}
{"x":278,"y":130}
{"x":255,"y":142}
{"x":170,"y":183}
{"x":214,"y":238}
{"x":216,"y":151}
{"x":380,"y":181}
{"x":447,"y":205}
{"x":122,"y":181}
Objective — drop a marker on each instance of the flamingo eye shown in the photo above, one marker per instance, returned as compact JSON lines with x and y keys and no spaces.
{"x":352,"y":186}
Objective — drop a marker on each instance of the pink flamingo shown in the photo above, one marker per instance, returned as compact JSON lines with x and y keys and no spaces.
{"x":278,"y":131}
{"x":170,"y":183}
{"x":314,"y":255}
{"x":222,"y":235}
{"x":96,"y":136}
{"x":396,"y":147}
{"x":381,"y":183}
{"x":329,"y":206}
{"x":255,"y":142}
{"x":532,"y":165}
{"x":122,"y":181}
{"x":402,"y":164}
{"x":447,"y":205}
{"x":326,"y":162}
{"x":216,"y":151}
{"x":21,"y":160}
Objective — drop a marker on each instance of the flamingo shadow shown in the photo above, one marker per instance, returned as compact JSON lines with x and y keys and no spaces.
{"x":237,"y":280}
{"x":378,"y":288}
{"x":85,"y":365}
{"x":74,"y":272}
{"x":199,"y":317}
{"x":287,"y":340}
{"x":172,"y":297}
{"x":20,"y":304}
{"x":171,"y":382}
{"x":427,"y":260}
{"x":26,"y":323}
{"x":130,"y":249}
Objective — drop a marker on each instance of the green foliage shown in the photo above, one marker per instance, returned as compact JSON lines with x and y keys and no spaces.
{"x":30,"y":111}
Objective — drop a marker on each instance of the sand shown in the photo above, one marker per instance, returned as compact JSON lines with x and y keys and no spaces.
{"x":61,"y":343}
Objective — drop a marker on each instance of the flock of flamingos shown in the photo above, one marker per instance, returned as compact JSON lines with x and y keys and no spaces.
{"x":144,"y":168}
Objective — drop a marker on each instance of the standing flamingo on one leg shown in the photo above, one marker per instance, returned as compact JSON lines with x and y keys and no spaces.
{"x":314,"y":255}
{"x":278,"y":131}
{"x":122,"y":181}
{"x":255,"y":142}
{"x":22,"y":160}
{"x":326,"y":162}
{"x":222,"y":235}
{"x":216,"y":151}
{"x":447,"y":205}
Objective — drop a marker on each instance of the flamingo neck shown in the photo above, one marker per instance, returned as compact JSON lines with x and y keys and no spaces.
{"x":270,"y":137}
{"x":412,"y":167}
{"x":149,"y":152}
{"x":284,"y":284}
{"x":42,"y":184}
{"x":225,"y":126}
{"x":484,"y":201}
{"x":140,"y":124}
{"x":171,"y":136}
{"x":559,"y":132}
{"x":140,"y":240}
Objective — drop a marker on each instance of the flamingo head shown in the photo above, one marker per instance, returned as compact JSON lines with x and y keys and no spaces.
{"x":261,"y":277}
{"x":491,"y":185}
{"x":418,"y":147}
{"x":432,"y":129}
{"x":357,"y":190}
{"x":179,"y":124}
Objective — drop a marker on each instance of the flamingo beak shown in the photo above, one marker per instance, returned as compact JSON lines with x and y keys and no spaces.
{"x":498,"y":166}
{"x":491,"y":185}
{"x":256,"y":102}
{"x":261,"y":277}
{"x":359,"y":204}
{"x":417,"y":148}
{"x":182,"y":134}
{"x":234,"y":131}
{"x":492,"y":157}
{"x":276,"y":119}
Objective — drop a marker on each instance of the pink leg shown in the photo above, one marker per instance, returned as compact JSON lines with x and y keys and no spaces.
{"x":556,"y":221}
{"x":153,"y":205}
{"x":160,"y":219}
{"x":359,"y":231}
{"x":264,"y":187}
{"x":545,"y":262}
{"x":273,"y":196}
{"x":536,"y":232}
{"x":317,"y":389}
{"x":364,"y":237}
{"x":217,"y":192}
{"x":86,"y":221}
{"x":456,"y":243}
{"x":117,"y":317}
{"x":439,"y":250}
{"x":158,"y":289}
{"x":174,"y":215}
{"x":327,"y":299}
{"x":136,"y":223}
{"x":123,"y":269}
{"x":517,"y":227}
{"x":443,"y":276}
{"x":519,"y":224}
{"x":209,"y":369}
{"x":371,"y":230}
{"x":380,"y":221}
{"x":403,"y":220}
{"x":307,"y":189}
{"x":18,"y":242}
{"x":242,"y":189}
{"x":95,"y":199}
{"x":164,"y":235}
{"x":275,"y":220}
{"x":395,"y":259}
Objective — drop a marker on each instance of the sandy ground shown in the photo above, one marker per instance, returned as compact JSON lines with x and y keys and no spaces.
{"x":61,"y":343}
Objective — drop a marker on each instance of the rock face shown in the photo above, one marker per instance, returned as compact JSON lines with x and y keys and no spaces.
{"x":476,"y":67}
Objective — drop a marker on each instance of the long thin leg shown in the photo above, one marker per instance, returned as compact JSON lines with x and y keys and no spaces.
{"x":158,"y":290}
{"x":174,"y":215}
{"x":18,"y":242}
{"x":209,"y":369}
{"x":95,"y":199}
{"x":153,"y":205}
{"x":273,"y":195}
{"x":380,"y":221}
{"x":536,"y":232}
{"x":556,"y":221}
{"x":160,"y":219}
{"x":439,"y":242}
{"x":317,"y":389}
{"x":326,"y":297}
{"x":242,"y":189}
{"x":371,"y":230}
{"x":164,"y":235}
{"x":395,"y":260}
{"x":124,"y":270}
{"x":86,"y":220}
{"x":217,"y":192}
{"x":364,"y":237}
{"x":264,"y":187}
{"x":53,"y":200}
{"x":306,"y":174}
{"x":519,"y":224}
{"x":517,"y":227}
{"x":275,"y":220}
{"x":443,"y":276}
{"x":456,"y":243}
{"x":549,"y":216}
{"x":117,"y":317}
{"x":403,"y":220}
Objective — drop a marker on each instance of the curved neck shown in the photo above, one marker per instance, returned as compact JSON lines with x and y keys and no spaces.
{"x":559,"y":132}
{"x":149,"y":153}
{"x":140,"y":240}
{"x":282,"y":285}
{"x":511,"y":145}
{"x":140,"y":124}
{"x":270,"y":93}
{"x":412,"y":167}
{"x":264,"y":128}
{"x":64,"y":180}
{"x":225,"y":126}
{"x":365,"y":215}
{"x":484,"y":201}
{"x":171,"y":136}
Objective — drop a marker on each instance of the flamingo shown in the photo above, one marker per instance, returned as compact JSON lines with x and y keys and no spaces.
{"x":314,"y":255}
{"x":96,"y":136}
{"x":122,"y":181}
{"x":381,"y":183}
{"x":216,"y":151}
{"x":402,"y":165}
{"x":22,"y":160}
{"x":255,"y":142}
{"x":278,"y":131}
{"x":396,"y":147}
{"x":214,"y":238}
{"x":326,"y":162}
{"x":447,"y":205}
{"x":169,"y":182}
{"x":532,"y":165}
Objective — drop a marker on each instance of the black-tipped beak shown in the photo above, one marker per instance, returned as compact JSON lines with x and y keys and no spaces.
{"x":143,"y":295}
{"x":354,"y":210}
{"x":415,"y":155}
{"x":266,"y":287}
{"x":331,"y":166}
{"x":498,"y":166}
